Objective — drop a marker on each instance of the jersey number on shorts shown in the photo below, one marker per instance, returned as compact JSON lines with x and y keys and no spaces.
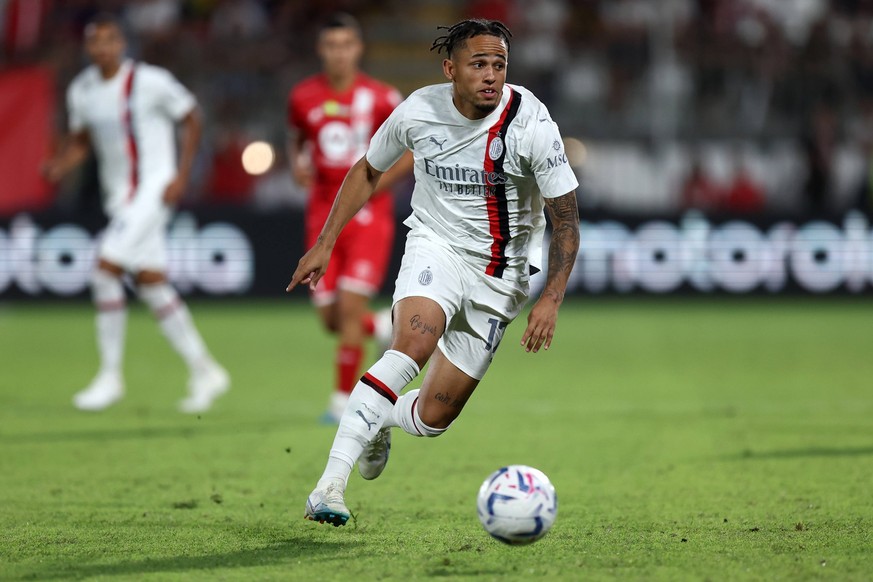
{"x":495,"y":334}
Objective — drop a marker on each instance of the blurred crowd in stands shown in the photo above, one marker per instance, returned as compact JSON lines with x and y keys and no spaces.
{"x":728,"y":106}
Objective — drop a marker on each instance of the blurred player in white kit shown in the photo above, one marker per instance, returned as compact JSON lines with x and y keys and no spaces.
{"x":127,"y":112}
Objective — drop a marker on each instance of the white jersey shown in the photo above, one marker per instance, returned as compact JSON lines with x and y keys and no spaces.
{"x":479,"y":184}
{"x":130,"y":120}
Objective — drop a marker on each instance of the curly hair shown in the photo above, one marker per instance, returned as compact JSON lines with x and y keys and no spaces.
{"x":457,"y":34}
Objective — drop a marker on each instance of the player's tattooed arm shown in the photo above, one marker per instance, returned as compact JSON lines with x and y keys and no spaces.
{"x":543,"y":316}
{"x":565,"y":244}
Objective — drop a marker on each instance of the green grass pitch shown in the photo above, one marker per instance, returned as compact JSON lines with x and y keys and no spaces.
{"x":687,"y":439}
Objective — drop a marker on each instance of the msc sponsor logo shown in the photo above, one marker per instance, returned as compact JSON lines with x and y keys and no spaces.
{"x":557,"y":160}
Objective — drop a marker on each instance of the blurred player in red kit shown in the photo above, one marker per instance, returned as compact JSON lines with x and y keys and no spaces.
{"x":332,"y":116}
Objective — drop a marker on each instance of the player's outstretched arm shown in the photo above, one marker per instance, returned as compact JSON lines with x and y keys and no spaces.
{"x":357,"y":188}
{"x":74,"y":151}
{"x":562,"y":256}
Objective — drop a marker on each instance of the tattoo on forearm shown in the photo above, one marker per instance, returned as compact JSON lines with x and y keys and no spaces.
{"x":565,"y":242}
{"x":563,"y":208}
{"x":422,"y":327}
{"x":447,"y":399}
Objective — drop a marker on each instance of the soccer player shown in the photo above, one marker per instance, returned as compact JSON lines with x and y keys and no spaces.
{"x":488,"y":159}
{"x":332,"y":116}
{"x":127,"y":112}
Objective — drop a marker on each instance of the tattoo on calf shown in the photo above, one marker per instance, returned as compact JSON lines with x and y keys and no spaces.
{"x":448,"y":400}
{"x":420,"y":326}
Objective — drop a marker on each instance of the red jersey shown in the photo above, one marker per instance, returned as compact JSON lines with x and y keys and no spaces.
{"x":339,"y":126}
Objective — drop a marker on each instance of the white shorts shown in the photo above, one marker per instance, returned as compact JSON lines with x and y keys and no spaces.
{"x":136,"y":237}
{"x":478,"y":307}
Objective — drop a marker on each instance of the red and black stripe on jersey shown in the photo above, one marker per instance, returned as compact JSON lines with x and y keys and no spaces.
{"x":132,"y":148}
{"x":498,"y":210}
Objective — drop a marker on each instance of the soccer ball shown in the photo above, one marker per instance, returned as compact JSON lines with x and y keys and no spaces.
{"x":517,"y":504}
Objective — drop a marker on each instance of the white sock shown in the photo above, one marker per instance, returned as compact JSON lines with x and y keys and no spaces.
{"x":111,"y":321}
{"x":176,"y":323}
{"x":369,"y":405}
{"x":405,"y":415}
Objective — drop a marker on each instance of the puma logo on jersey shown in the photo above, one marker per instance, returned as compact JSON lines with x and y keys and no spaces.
{"x":434,"y":140}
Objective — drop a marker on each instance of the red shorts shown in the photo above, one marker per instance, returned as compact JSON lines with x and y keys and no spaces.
{"x":360,"y":258}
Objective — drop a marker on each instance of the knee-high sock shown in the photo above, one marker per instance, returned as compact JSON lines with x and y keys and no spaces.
{"x":108,"y":293}
{"x":369,"y":405}
{"x":176,"y":323}
{"x":405,"y":415}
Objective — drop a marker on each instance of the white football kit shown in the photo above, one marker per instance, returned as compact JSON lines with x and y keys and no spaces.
{"x":477,"y":218}
{"x":131,"y":120}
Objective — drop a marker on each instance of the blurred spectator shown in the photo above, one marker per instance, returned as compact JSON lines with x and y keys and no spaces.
{"x":22,"y":24}
{"x":864,"y":196}
{"x":152,"y":18}
{"x":277,"y":189}
{"x":229,"y":183}
{"x":863,"y":192}
{"x":235,"y":20}
{"x":819,"y":144}
{"x":154,"y":28}
{"x":744,"y":195}
{"x":636,"y":73}
{"x":538,"y":45}
{"x":700,"y":192}
{"x":626,"y":24}
{"x":502,"y":10}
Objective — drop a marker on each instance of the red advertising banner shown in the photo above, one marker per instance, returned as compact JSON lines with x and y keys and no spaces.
{"x":27,"y":107}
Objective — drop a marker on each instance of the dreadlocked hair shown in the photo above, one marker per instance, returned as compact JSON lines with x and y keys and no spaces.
{"x":458,"y":33}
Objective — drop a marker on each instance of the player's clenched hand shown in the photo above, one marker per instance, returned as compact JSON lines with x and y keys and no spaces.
{"x":303,"y":174}
{"x":541,"y":324}
{"x":174,"y":191}
{"x":52,"y":171}
{"x":311,"y":267}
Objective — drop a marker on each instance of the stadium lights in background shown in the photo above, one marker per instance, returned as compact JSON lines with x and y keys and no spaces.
{"x":576,"y":152}
{"x":258,"y":157}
